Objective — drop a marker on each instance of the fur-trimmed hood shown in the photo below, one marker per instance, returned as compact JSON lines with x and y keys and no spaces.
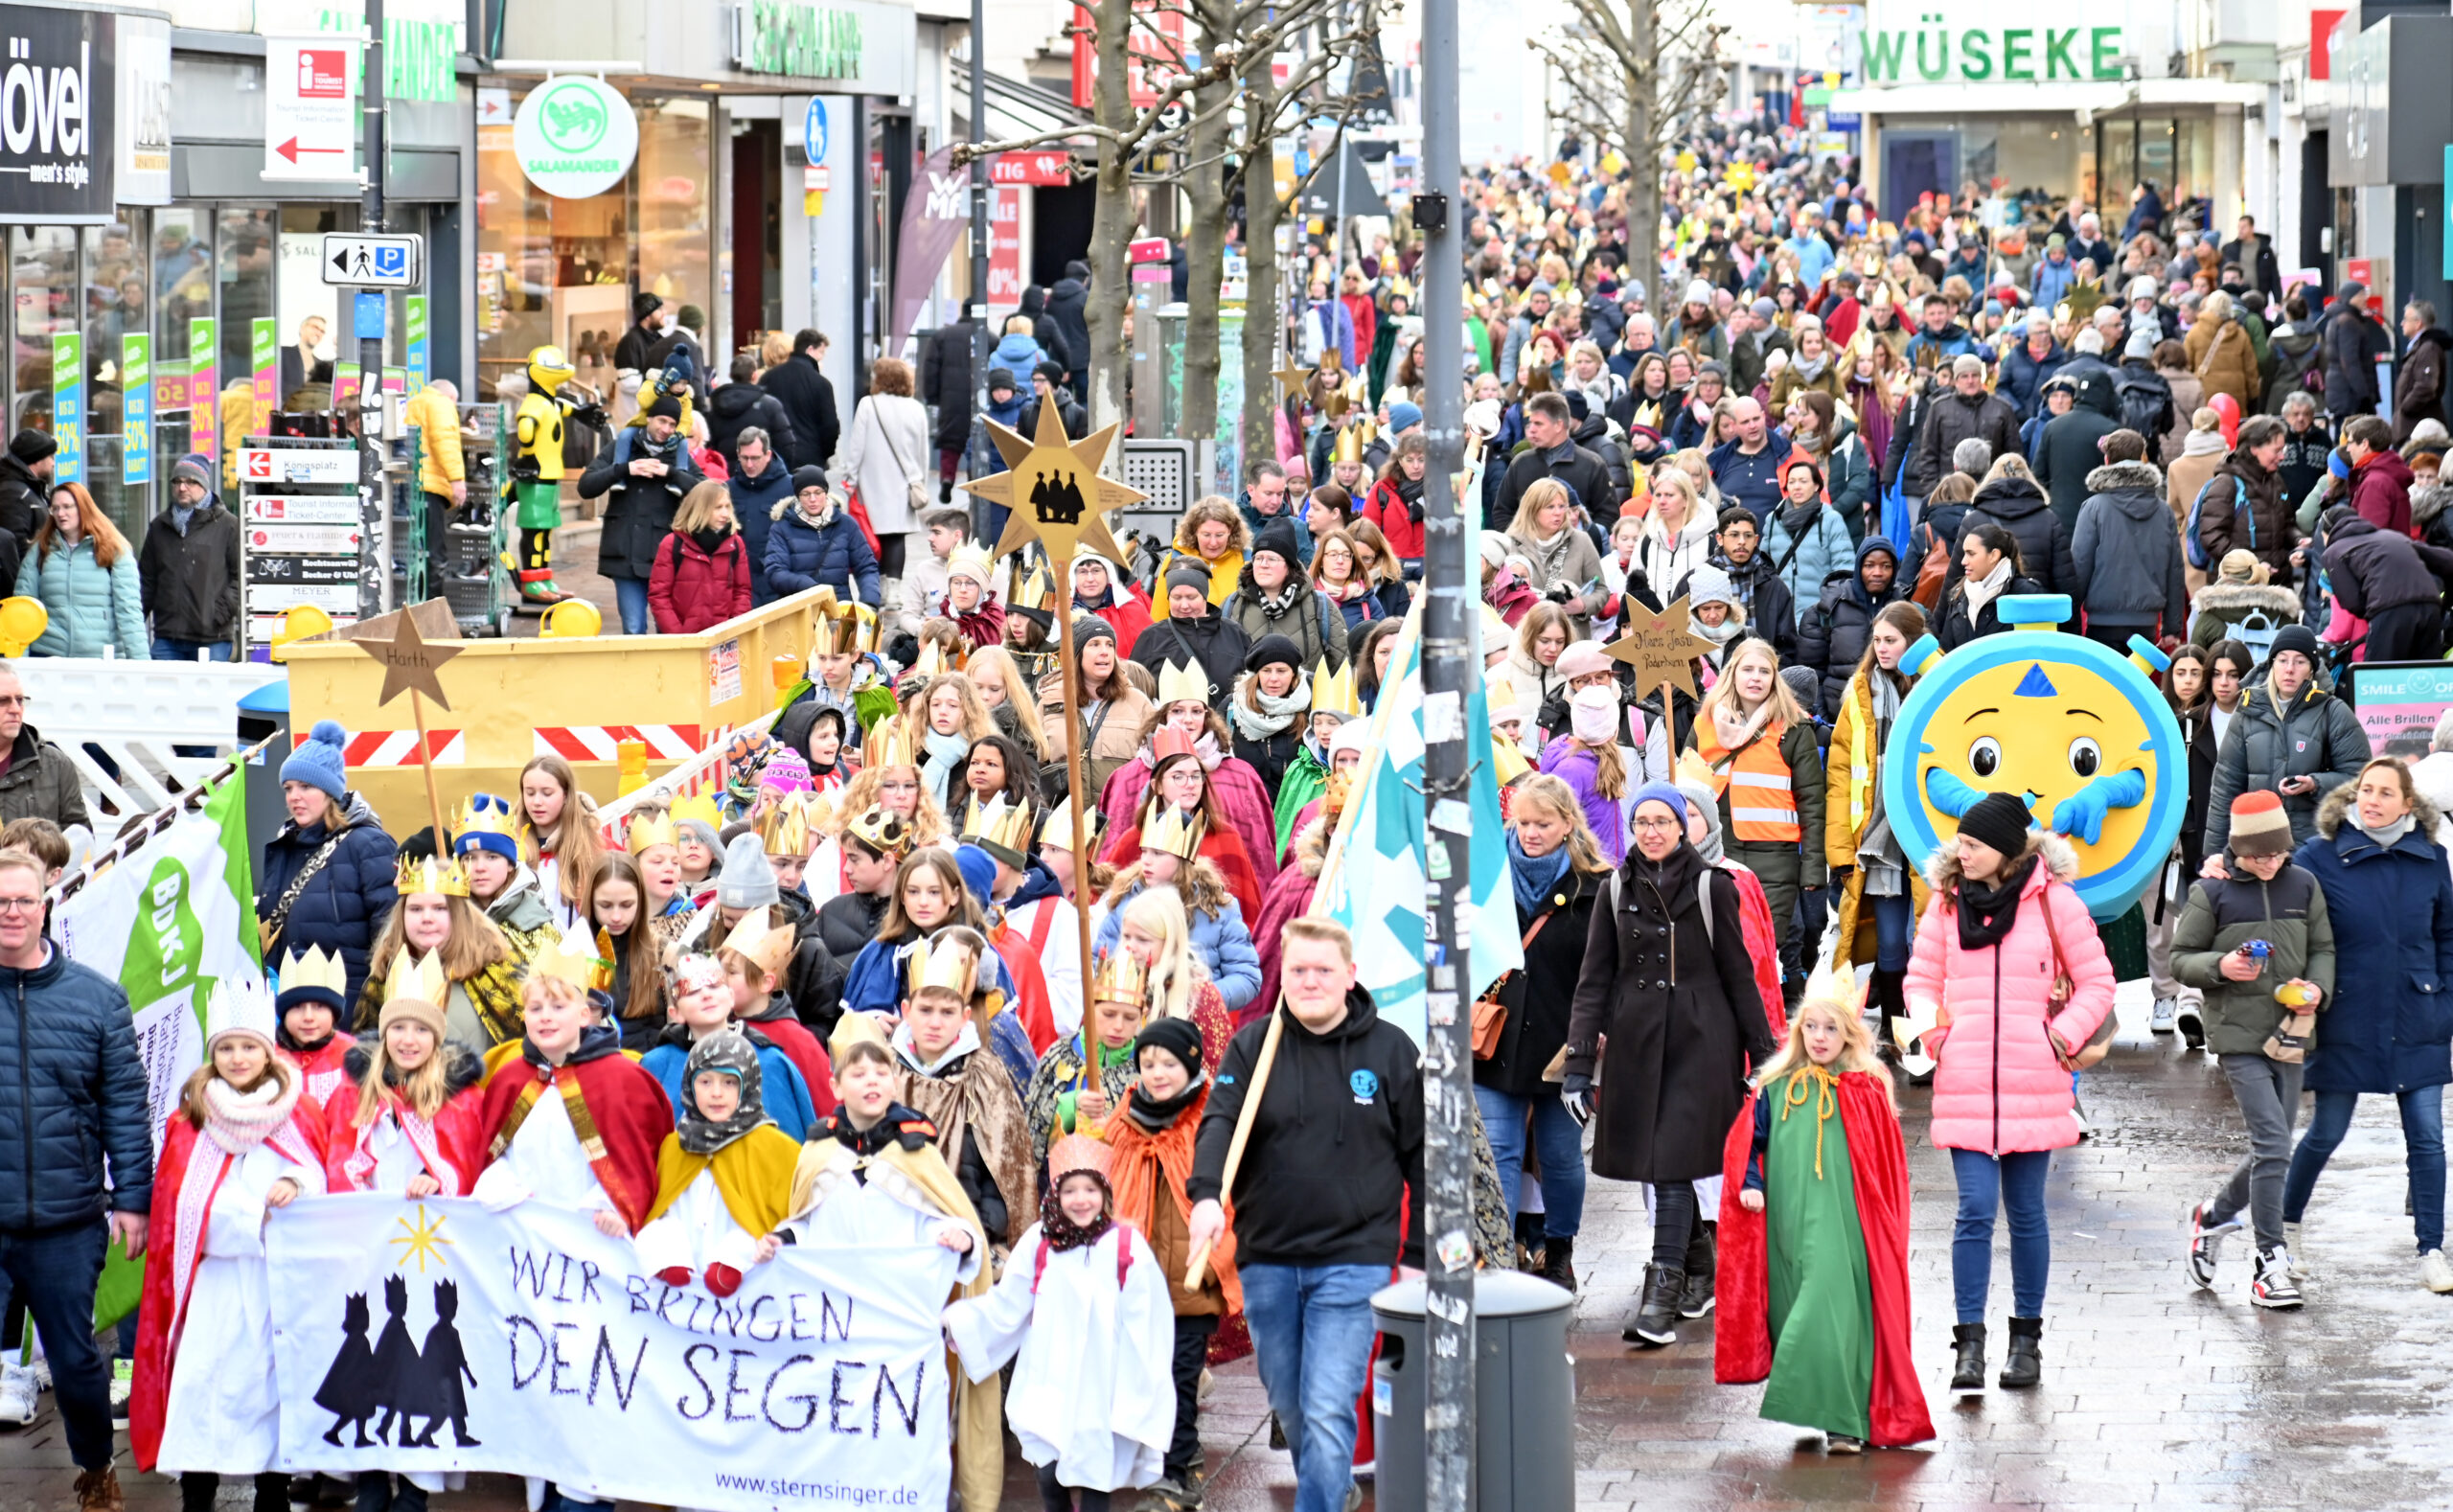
{"x":1941,"y":868}
{"x":462,"y":1069}
{"x":2233,"y":601}
{"x":2336,"y":807}
{"x":2126,"y":477}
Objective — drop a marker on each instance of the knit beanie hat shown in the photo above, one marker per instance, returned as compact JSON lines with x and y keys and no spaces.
{"x":1585,"y":657}
{"x":1176,"y":1036}
{"x":1657,"y":792}
{"x":747,"y":880}
{"x":1190,"y":577}
{"x":1277,"y":538}
{"x":31,"y":446}
{"x":1999,"y":820}
{"x":1087,"y":627}
{"x":2259,"y":825}
{"x":787,"y":770}
{"x":318,"y":762}
{"x":405,"y":1009}
{"x":1273,"y":649}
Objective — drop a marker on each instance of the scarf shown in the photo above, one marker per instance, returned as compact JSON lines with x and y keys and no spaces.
{"x":1735,"y":729}
{"x":710,"y":539}
{"x":946,"y":752}
{"x":1550,"y":557}
{"x":1720,"y":634}
{"x":1878,"y":853}
{"x":2388,"y":836}
{"x":1276,"y":606}
{"x":240,"y":1121}
{"x":1272,"y":715}
{"x":1534,"y":876}
{"x":1157,"y":1115}
{"x":1808,"y":369}
{"x":1981,"y":592}
{"x":1062,"y":1233}
{"x":1205,"y":747}
{"x":1985,"y":914}
{"x":730,"y":1052}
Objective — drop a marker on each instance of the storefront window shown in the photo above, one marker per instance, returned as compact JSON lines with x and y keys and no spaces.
{"x":672,"y":177}
{"x":43,"y":278}
{"x":117,"y":305}
{"x":182,"y":290}
{"x":245,"y":273}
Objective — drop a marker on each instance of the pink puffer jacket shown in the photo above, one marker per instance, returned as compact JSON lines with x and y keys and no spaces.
{"x":1241,"y":796}
{"x":1998,"y":1087}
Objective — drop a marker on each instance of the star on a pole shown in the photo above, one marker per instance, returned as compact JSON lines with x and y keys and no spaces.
{"x":1053,"y":491}
{"x":1292,"y":380}
{"x":409,"y":660}
{"x":1661,"y":648}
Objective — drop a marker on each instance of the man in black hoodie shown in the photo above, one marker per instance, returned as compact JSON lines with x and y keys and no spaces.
{"x":741,"y":405}
{"x":1194,"y":632}
{"x":2071,"y":445}
{"x":1066,"y":303}
{"x":1321,"y":1197}
{"x":1833,"y":637}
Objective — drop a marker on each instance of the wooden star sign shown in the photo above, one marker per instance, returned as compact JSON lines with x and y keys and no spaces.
{"x":1054,"y":491}
{"x":410,"y":661}
{"x":1291,"y":381}
{"x":1661,"y":648}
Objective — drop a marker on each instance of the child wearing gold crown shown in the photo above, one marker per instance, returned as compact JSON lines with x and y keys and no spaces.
{"x":724,"y":1176}
{"x":891,"y":780}
{"x":1334,"y":703}
{"x":1180,"y":793}
{"x":309,"y":1009}
{"x":1030,"y":922}
{"x":240,"y":1143}
{"x":755,"y":957}
{"x":653,"y":842}
{"x":485,"y":840}
{"x":1239,"y":797}
{"x":702,"y":1008}
{"x":1083,"y":1310}
{"x":435,"y":918}
{"x":1065,"y":1097}
{"x":570,"y":1119}
{"x":1174,"y":860}
{"x":966,"y":1094}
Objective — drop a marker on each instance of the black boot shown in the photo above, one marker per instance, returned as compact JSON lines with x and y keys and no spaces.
{"x":1695,"y":1298}
{"x":2025,"y":1365}
{"x":1967,"y":1370}
{"x":1558,"y":1261}
{"x":1887,"y":992}
{"x":272,"y":1491}
{"x":1656,"y":1320}
{"x":197,"y":1489}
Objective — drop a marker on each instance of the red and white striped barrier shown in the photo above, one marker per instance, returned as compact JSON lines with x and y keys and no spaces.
{"x":601,"y":742}
{"x":400,"y":748}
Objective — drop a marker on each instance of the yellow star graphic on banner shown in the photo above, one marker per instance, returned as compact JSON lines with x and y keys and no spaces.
{"x":1053,"y":489}
{"x":1661,"y":648}
{"x":420,"y":1238}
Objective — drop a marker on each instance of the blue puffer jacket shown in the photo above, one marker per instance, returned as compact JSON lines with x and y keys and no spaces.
{"x":800,"y":555}
{"x":2388,"y":1025}
{"x":753,"y":505}
{"x":1223,"y":942}
{"x":344,"y":904}
{"x":1823,"y":547}
{"x":72,"y":1097}
{"x":90,"y":606}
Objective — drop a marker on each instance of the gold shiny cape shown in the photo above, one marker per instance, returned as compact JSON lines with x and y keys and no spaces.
{"x":754,"y":1174}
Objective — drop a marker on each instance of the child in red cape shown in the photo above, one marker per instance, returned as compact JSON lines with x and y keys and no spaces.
{"x":1812,"y":1280}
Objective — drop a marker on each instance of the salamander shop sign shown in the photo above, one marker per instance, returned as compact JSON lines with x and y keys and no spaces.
{"x":1905,"y":42}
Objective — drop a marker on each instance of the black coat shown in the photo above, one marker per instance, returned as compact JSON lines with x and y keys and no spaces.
{"x":945,"y":382}
{"x":848,"y":921}
{"x":343,"y":906}
{"x":1677,"y":1000}
{"x":2019,"y":507}
{"x":1536,"y":999}
{"x":808,"y":398}
{"x":72,"y":1097}
{"x":41,"y":782}
{"x":1217,"y":643}
{"x":1956,"y":418}
{"x":189,"y":582}
{"x":632,"y":349}
{"x":2374,"y":570}
{"x":1068,"y":317}
{"x":638,"y":512}
{"x":2352,"y":344}
{"x":1271,"y":755}
{"x":1954,"y":628}
{"x":2071,"y":445}
{"x":733,"y":409}
{"x":1578,"y":469}
{"x":1837,"y":628}
{"x":2420,"y":382}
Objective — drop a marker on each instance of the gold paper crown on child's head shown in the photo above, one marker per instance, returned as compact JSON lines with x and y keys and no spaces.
{"x":1121,"y":978}
{"x":787,"y":828}
{"x":948,"y":965}
{"x":1182,"y":682}
{"x":889,"y":745}
{"x":434,"y":874}
{"x":771,"y":947}
{"x":575,"y":961}
{"x":1176,"y":832}
{"x":649,"y":828}
{"x":1334,"y":692}
{"x":1001,"y":829}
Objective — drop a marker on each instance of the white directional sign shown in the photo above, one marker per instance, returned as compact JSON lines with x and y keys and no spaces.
{"x":311,"y":131}
{"x":298,"y":464}
{"x":352,"y":261}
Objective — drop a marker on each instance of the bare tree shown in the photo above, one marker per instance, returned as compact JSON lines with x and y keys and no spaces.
{"x":1611,"y":62}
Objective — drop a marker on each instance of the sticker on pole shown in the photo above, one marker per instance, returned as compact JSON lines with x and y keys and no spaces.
{"x":575,"y":136}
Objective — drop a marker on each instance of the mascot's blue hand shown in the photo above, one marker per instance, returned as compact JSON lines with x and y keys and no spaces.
{"x":2082,"y":813}
{"x":1950,"y":792}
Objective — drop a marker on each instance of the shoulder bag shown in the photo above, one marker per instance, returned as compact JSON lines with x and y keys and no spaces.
{"x":915,"y":493}
{"x":2098,"y":1043}
{"x":1490,"y":1016}
{"x":268,"y":927}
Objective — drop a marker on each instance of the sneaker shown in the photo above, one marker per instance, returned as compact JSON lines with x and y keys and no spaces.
{"x":2273,"y":1286}
{"x":2192,"y":1022}
{"x":41,"y":1366}
{"x":2206,"y":1244}
{"x":2292,"y":1246}
{"x":1842,"y":1444}
{"x":122,"y":1387}
{"x":2166,"y":1011}
{"x":17,"y":1405}
{"x":2434,"y":1271}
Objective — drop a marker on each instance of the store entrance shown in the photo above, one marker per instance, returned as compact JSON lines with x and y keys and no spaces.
{"x":757,"y":231}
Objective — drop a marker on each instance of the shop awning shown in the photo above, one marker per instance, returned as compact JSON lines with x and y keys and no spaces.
{"x":2066,"y":99}
{"x":1019,"y":109}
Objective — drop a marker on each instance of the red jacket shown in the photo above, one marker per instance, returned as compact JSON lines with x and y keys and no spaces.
{"x":2380,"y":491}
{"x":689,"y":590}
{"x":1383,"y":508}
{"x":1366,"y":324}
{"x":1127,"y":609}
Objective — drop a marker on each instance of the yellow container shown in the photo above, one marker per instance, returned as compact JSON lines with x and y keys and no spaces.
{"x":513,"y":700}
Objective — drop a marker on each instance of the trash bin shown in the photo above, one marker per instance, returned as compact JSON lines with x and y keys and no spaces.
{"x":1523,"y":1395}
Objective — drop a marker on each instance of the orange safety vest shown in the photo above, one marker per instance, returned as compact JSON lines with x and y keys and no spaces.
{"x":1762,"y":806}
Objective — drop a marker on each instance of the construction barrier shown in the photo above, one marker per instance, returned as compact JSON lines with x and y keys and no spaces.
{"x":514,"y":699}
{"x":139,"y":733}
{"x":702,"y":772}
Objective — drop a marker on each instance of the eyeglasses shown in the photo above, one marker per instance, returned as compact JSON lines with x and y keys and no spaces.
{"x":13,"y":701}
{"x":19,"y":904}
{"x":1659,"y":824}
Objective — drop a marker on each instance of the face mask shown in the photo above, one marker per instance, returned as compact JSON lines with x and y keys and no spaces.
{"x":1594,"y":715}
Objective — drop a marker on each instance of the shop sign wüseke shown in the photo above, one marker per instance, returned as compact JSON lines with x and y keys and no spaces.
{"x":575,"y":136}
{"x":58,"y":116}
{"x":804,"y":40}
{"x":1964,"y":43}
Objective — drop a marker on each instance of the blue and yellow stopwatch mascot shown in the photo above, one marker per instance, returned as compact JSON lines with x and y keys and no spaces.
{"x":2074,"y":729}
{"x":535,"y":482}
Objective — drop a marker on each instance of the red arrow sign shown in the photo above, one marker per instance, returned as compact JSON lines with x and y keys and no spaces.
{"x":291,"y":149}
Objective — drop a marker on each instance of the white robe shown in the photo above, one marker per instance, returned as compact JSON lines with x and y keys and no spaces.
{"x":1059,"y":958}
{"x":545,"y":1162}
{"x":223,"y":1412}
{"x":696,"y":1231}
{"x":886,"y":1209}
{"x":1101,"y":1413}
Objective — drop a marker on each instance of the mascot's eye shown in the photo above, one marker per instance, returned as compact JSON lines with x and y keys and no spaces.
{"x":1985,"y":757}
{"x":2085,"y":756}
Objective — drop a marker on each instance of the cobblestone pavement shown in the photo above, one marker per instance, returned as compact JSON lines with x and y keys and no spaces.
{"x":2154,"y":1395}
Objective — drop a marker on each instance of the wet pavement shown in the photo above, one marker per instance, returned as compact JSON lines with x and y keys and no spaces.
{"x":2155,"y":1395}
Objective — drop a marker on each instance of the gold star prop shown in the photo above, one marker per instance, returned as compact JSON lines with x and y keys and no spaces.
{"x":1054,"y":492}
{"x":409,"y":660}
{"x":1292,"y":380}
{"x":1661,"y":647}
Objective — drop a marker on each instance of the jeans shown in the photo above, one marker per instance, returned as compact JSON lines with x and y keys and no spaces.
{"x":53,"y":1272}
{"x":1556,"y":1139}
{"x":630,"y":597}
{"x":2268,"y":1092}
{"x":1987,"y":1184}
{"x":1312,"y":1333}
{"x":1192,"y":1352}
{"x":1894,"y":931}
{"x":2422,"y":1143}
{"x":191,"y":650}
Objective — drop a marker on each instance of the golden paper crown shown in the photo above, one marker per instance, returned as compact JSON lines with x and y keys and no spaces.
{"x":770,"y":945}
{"x":485,"y":813}
{"x":1333,"y":693}
{"x":970,"y":560}
{"x":889,"y":744}
{"x":421,"y":982}
{"x":1182,"y":682}
{"x":881,"y":830}
{"x":1499,"y":696}
{"x":649,"y":829}
{"x":700,"y":806}
{"x":1075,"y":1153}
{"x":931,"y":663}
{"x":856,"y":1027}
{"x":434,"y":874}
{"x":573,"y":959}
{"x":948,"y":964}
{"x":1057,"y":829}
{"x":315,"y":967}
{"x":1121,"y":978}
{"x":1001,"y":829}
{"x":1176,"y":831}
{"x":1349,"y":446}
{"x":787,"y":828}
{"x":1037,"y":590}
{"x":1508,"y":761}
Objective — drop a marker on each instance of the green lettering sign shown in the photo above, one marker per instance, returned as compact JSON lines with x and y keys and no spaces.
{"x":2056,"y":52}
{"x":2018,"y":52}
{"x":2104,"y":52}
{"x":1882,"y":52}
{"x":807,"y":41}
{"x":1973,"y":62}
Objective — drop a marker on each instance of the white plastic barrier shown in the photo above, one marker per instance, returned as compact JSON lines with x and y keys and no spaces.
{"x":141,"y":716}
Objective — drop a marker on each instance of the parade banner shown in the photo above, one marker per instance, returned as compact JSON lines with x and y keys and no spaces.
{"x":439,"y":1336}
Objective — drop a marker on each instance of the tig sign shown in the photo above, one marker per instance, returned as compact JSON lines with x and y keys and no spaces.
{"x":439,"y":1336}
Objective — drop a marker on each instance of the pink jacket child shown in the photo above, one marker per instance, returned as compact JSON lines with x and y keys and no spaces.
{"x":1240,"y":794}
{"x":1999,"y":1087}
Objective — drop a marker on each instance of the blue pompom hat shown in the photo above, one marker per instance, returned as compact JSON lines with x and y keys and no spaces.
{"x":317,"y":761}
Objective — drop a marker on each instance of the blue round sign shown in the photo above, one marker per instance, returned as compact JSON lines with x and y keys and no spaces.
{"x":814,"y":133}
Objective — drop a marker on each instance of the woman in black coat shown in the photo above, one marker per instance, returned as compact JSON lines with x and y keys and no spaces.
{"x":1558,"y":871}
{"x":341,"y":905}
{"x":1673,"y":988}
{"x":1989,"y":564}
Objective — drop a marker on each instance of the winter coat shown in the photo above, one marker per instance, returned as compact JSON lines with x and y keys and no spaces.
{"x":1246,"y":805}
{"x":2071,"y":446}
{"x":1384,"y":507}
{"x":1020,"y":355}
{"x":733,"y":409}
{"x":1537,"y":996}
{"x":2019,"y":507}
{"x":436,"y":419}
{"x":2372,"y":570}
{"x":2389,"y":1023}
{"x":1214,"y":643}
{"x":1116,"y":731}
{"x":343,"y":906}
{"x":691,"y":589}
{"x":1220,"y":940}
{"x":1570,"y":559}
{"x":2250,"y":612}
{"x":190,"y":582}
{"x":72,"y":1097}
{"x":2024,"y":376}
{"x":945,"y":382}
{"x":1069,"y":320}
{"x":91,"y":607}
{"x":1847,"y":811}
{"x":1998,"y":1086}
{"x":1771,"y":609}
{"x":1676,"y":996}
{"x":2289,"y":914}
{"x":1830,"y":380}
{"x":1586,"y":475}
{"x":2225,"y":361}
{"x":24,"y":498}
{"x":1834,"y":632}
{"x":1664,"y":562}
{"x":1309,"y":619}
{"x":1956,"y":418}
{"x":2420,"y":386}
{"x":1813,"y":542}
{"x":2352,"y":344}
{"x":1071,"y":417}
{"x":40,"y":783}
{"x":754,"y":509}
{"x":1954,"y":627}
{"x":638,"y":512}
{"x":2127,"y":558}
{"x":1848,"y":476}
{"x":808,"y":398}
{"x":2266,"y":528}
{"x":887,"y":452}
{"x":2318,"y":736}
{"x":1575,"y":764}
{"x":835,"y":555}
{"x":2299,"y":365}
{"x":2380,"y":491}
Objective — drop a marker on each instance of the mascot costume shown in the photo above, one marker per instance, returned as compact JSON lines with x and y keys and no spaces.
{"x":537,"y":471}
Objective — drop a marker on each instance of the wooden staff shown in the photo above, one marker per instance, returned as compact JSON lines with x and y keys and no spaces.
{"x":1244,"y":1116}
{"x":425,"y":763}
{"x":1076,"y":785}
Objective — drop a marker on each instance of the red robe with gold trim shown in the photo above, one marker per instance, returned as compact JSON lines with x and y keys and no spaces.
{"x":619,"y":1111}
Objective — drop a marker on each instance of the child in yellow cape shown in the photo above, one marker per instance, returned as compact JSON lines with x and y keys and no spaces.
{"x":724,"y":1176}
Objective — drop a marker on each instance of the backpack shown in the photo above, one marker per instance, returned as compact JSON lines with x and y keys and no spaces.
{"x":2144,"y":407}
{"x":2192,"y":536}
{"x":1933,"y":571}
